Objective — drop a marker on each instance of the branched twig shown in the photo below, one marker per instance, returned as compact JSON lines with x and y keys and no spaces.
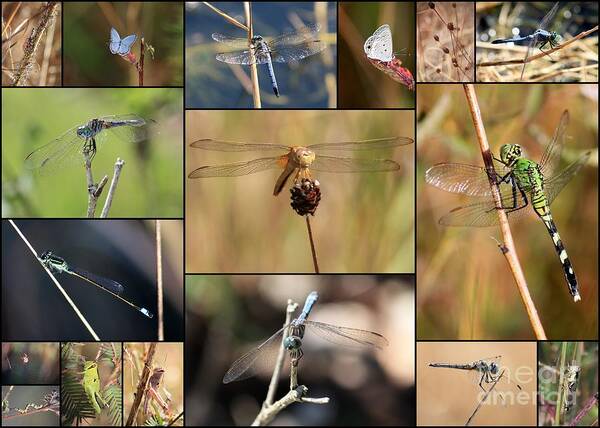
{"x":483,"y":399}
{"x":113,"y":187}
{"x":94,"y":190}
{"x":226,"y":16}
{"x":64,"y":293}
{"x":159,"y":282}
{"x":296,"y":394}
{"x":253,"y":69}
{"x":312,"y":245}
{"x":509,"y":249}
{"x":142,"y":384}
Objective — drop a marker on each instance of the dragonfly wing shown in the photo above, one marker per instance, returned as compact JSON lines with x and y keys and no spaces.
{"x":237,"y":169}
{"x":243,"y":58}
{"x":301,"y":35}
{"x":62,"y":151}
{"x":297,"y":52}
{"x":345,"y":336}
{"x":484,"y":212}
{"x":546,"y":20}
{"x":231,"y":146}
{"x":374,"y":144}
{"x":554,"y":185}
{"x":234,"y":42}
{"x":261,"y":357}
{"x":551,"y":156}
{"x":336,"y":164}
{"x":129,"y":128}
{"x":462,"y":178}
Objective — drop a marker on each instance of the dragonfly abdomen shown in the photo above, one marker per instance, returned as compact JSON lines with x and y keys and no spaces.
{"x":543,"y":210}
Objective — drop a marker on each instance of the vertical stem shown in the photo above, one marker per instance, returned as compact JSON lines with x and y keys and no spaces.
{"x":141,"y":388}
{"x":312,"y":245}
{"x":253,"y":71}
{"x":509,"y":250}
{"x":140,"y":65}
{"x":561,"y":379}
{"x":159,"y":282}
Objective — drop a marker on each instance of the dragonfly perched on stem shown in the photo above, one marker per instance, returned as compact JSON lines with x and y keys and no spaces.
{"x":82,"y":141}
{"x":289,"y":47}
{"x":264,"y":355}
{"x":539,"y":38}
{"x":522,"y":182}
{"x":298,"y":159}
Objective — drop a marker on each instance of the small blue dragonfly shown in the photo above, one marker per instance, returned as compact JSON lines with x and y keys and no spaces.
{"x":120,"y":46}
{"x":287,"y":47}
{"x":540,"y":37}
{"x":83,"y":140}
{"x":264,"y":356}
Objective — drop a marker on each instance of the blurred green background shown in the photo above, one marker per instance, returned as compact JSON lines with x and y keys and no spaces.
{"x":19,"y":397}
{"x":151,"y":180}
{"x":466,"y":290}
{"x":581,"y":354}
{"x":226,"y":315}
{"x":30,"y":363}
{"x":361,"y":84}
{"x":309,"y":83}
{"x":364,"y":222}
{"x":88,"y":60}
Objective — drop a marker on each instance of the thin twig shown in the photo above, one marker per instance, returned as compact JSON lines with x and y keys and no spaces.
{"x":140,"y":64}
{"x":159,"y":282}
{"x":253,"y":69}
{"x":226,"y":16}
{"x":483,"y":399}
{"x":176,"y":419}
{"x":113,"y":187}
{"x":509,"y":250}
{"x":143,"y":382}
{"x":94,"y":190}
{"x":592,"y":401}
{"x":64,"y":293}
{"x":560,"y":389}
{"x":312,"y":245}
{"x":31,"y":44}
{"x":290,"y":309}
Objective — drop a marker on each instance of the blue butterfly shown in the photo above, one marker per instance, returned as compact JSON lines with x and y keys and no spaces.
{"x":119,"y":45}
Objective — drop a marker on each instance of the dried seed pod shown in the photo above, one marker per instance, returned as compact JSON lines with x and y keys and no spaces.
{"x":305,"y":196}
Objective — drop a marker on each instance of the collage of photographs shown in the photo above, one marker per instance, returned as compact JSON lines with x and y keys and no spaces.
{"x":299,"y":213}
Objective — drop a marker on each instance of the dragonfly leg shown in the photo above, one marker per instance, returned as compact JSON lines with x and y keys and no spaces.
{"x":483,"y":378}
{"x":548,"y":54}
{"x":89,"y":147}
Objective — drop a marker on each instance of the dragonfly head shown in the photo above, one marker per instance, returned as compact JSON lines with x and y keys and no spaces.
{"x":83,"y":131}
{"x":494,"y":368}
{"x":555,"y":37}
{"x":292,"y":343}
{"x":510,"y":153}
{"x":256,"y":40}
{"x":303,"y":156}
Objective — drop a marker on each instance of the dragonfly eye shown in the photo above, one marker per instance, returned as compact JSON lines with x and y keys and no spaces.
{"x":494,"y":368}
{"x":292,"y":342}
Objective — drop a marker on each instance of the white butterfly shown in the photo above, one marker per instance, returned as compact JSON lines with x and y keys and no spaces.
{"x":379,"y":45}
{"x":119,"y":45}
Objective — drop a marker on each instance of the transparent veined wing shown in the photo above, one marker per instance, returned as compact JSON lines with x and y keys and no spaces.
{"x":554,"y":185}
{"x":231,"y":146}
{"x":301,"y":35}
{"x":62,"y":151}
{"x":336,"y":164}
{"x":258,"y":359}
{"x":233,"y":42}
{"x":535,"y":39}
{"x":374,"y":144}
{"x":129,"y":128}
{"x":345,"y":336}
{"x":462,"y":178}
{"x":238,"y":168}
{"x":551,"y":157}
{"x":296,"y":45}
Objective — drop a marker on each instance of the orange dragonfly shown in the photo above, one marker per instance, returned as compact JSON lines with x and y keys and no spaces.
{"x":297,"y":159}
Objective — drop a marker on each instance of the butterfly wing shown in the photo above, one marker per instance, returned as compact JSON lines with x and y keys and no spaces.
{"x":115,"y":41}
{"x":379,"y":45}
{"x":126,"y":44}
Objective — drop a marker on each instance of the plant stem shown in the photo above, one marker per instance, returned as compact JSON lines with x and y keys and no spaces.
{"x":560,"y":389}
{"x":312,"y":245}
{"x":113,"y":187}
{"x":140,"y":64}
{"x":159,"y":282}
{"x":483,"y":399}
{"x":143,"y":382}
{"x":94,"y":190}
{"x":508,"y":248}
{"x":253,"y":70}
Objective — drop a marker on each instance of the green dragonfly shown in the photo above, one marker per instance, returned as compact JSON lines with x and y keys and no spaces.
{"x":521,"y":181}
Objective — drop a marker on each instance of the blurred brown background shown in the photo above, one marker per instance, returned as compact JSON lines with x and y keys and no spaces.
{"x":226,"y":315}
{"x":449,"y":396}
{"x":364,"y":222}
{"x":466,"y":290}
